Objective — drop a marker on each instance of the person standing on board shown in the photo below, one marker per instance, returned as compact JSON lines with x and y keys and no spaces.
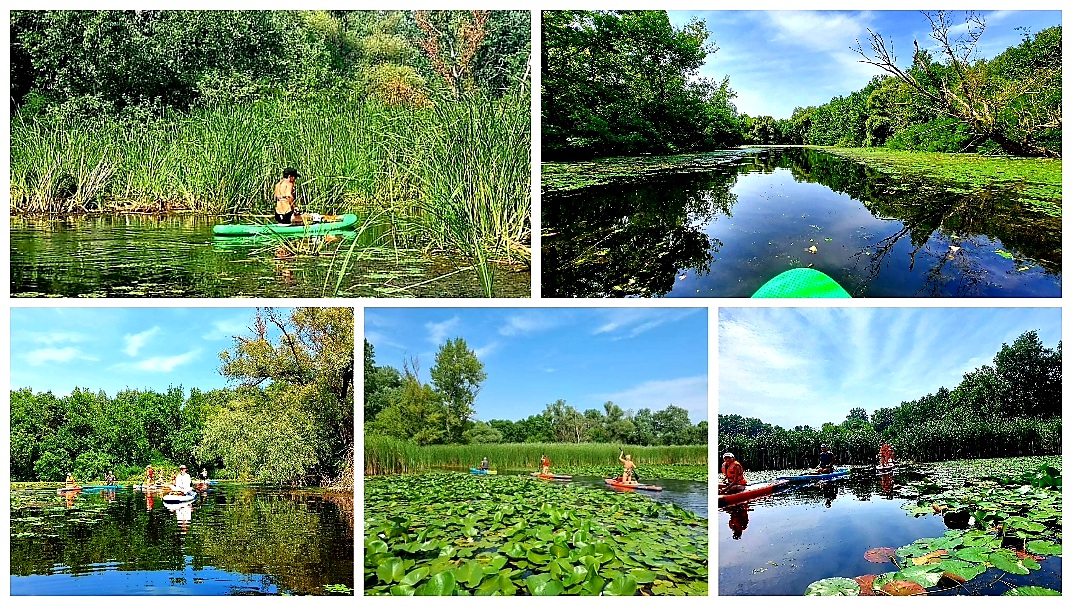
{"x":70,"y":480}
{"x":545,"y":465}
{"x":149,"y":475}
{"x":734,"y":472}
{"x":826,"y":460}
{"x":628,"y":468}
{"x":885,"y":456}
{"x":285,"y":197}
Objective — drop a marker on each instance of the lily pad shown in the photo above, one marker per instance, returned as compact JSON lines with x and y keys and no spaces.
{"x":879,"y":555}
{"x":834,"y":586}
{"x":1046,"y":548}
{"x":1031,"y":590}
{"x":902,"y":588}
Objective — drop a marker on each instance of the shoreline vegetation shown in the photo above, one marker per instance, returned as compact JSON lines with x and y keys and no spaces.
{"x":416,"y":121}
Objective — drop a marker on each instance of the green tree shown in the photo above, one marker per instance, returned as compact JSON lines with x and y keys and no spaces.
{"x":457,"y":376}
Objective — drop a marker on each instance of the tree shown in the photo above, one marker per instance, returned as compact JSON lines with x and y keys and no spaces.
{"x":672,"y":425}
{"x":381,"y":382}
{"x":457,"y":376}
{"x":1030,"y":377}
{"x":1017,"y":113}
{"x":482,"y":433}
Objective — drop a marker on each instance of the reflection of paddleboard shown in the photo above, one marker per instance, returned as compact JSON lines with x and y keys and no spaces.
{"x":801,"y":282}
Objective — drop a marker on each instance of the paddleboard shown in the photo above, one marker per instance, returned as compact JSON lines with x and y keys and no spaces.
{"x":801,"y":283}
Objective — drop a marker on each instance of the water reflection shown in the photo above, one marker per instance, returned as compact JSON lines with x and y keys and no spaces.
{"x":725,"y":231}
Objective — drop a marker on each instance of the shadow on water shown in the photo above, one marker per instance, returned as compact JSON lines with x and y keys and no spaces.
{"x":233,"y":540}
{"x":177,"y":256}
{"x":724,"y":228}
{"x":779,"y":545}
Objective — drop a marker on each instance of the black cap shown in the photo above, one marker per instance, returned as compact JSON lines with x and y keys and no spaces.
{"x":288,"y":171}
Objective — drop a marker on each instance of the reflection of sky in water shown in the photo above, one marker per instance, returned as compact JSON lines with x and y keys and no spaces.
{"x":107,"y":580}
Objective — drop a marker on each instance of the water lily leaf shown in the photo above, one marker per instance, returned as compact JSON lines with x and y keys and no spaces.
{"x":866,"y":583}
{"x":375,"y":546}
{"x":1044,"y":548}
{"x":470,"y":574}
{"x":972,"y":554}
{"x":415,"y":576}
{"x":391,"y":570}
{"x":1003,"y":253}
{"x":1031,"y":590}
{"x":499,"y":584}
{"x":926,"y":576}
{"x":495,"y":564}
{"x":930,"y":558}
{"x":965,"y":571}
{"x":514,"y":550}
{"x":1006,"y":560}
{"x":594,"y":585}
{"x":621,"y":585}
{"x":642,"y":575}
{"x":543,"y":584}
{"x":833,"y":586}
{"x":879,"y":555}
{"x":902,"y":588}
{"x":403,"y":590}
{"x":443,"y":583}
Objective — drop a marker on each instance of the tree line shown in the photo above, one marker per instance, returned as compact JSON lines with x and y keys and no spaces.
{"x":288,"y":418}
{"x":1010,"y":408}
{"x":625,"y":83}
{"x":145,"y":63}
{"x":399,"y":405}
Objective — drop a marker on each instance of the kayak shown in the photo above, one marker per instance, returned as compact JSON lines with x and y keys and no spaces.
{"x":482,"y":472}
{"x":149,"y":487}
{"x":102,"y":487}
{"x":751,"y":492}
{"x":264,"y":229}
{"x":185,"y":497}
{"x":815,"y":477}
{"x":618,"y":484}
{"x":550,"y":476}
{"x":801,"y":282}
{"x":71,"y":490}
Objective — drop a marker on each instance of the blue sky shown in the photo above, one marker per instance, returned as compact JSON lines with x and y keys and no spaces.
{"x":809,"y":366}
{"x":58,"y":349}
{"x":778,"y":60}
{"x":635,"y":357}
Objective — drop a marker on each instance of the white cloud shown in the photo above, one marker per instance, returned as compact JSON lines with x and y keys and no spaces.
{"x":528,"y":322}
{"x":53,"y":338}
{"x":438,"y":331}
{"x":136,"y":341}
{"x":38,"y":357}
{"x":817,"y":30}
{"x":221,"y":330}
{"x":165,"y":363}
{"x":689,"y":393}
{"x":634,"y":321}
{"x":487,"y":350}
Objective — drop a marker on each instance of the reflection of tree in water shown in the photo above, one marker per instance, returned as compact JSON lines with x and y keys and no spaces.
{"x":927,"y":209}
{"x":631,"y":240}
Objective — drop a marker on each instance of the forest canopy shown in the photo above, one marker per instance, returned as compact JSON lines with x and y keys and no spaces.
{"x":626,"y":83}
{"x":286,"y":419}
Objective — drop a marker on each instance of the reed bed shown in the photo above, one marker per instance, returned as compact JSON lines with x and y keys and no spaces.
{"x":385,"y":455}
{"x":452,"y":177}
{"x":933,"y":441}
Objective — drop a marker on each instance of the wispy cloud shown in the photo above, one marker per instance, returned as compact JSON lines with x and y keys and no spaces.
{"x":221,"y":330}
{"x":528,"y":322}
{"x":164,"y":363}
{"x":628,"y":323}
{"x":487,"y":350}
{"x":54,"y":338}
{"x":438,"y":331}
{"x":45,"y":355}
{"x":689,"y":393}
{"x":135,"y":342}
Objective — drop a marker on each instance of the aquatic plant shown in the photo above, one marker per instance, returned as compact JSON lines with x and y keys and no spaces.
{"x":454,"y":534}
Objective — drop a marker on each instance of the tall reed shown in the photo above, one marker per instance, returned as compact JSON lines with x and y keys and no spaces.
{"x":389,"y":455}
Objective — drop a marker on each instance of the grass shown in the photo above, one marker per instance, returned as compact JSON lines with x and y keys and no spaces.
{"x":385,"y":455}
{"x":453,"y":177}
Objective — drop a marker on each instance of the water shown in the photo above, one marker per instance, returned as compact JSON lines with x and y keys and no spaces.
{"x":723,"y":228}
{"x":177,"y":256}
{"x":683,"y":493}
{"x":235,"y":540}
{"x":778,"y":545}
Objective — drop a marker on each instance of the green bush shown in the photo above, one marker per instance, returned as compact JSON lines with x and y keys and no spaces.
{"x":941,"y":135}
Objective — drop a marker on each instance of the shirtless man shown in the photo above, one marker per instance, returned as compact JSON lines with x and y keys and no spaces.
{"x":284,"y":197}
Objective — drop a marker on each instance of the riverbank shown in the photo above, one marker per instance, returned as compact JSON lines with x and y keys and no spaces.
{"x":454,"y":176}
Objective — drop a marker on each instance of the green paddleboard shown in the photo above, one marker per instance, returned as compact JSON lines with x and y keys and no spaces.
{"x":801,"y":283}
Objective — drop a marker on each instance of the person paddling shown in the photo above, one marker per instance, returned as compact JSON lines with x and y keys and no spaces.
{"x":826,"y":460}
{"x":734,"y":472}
{"x":70,"y":480}
{"x":885,"y":456}
{"x":149,"y":475}
{"x":545,"y":465}
{"x":628,"y":468}
{"x":484,"y":464}
{"x":285,"y":206}
{"x":182,"y":481}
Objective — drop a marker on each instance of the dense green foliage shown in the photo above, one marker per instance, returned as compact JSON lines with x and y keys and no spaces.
{"x":1012,"y":408}
{"x":397,"y":404}
{"x":288,"y":420}
{"x":385,"y":454}
{"x":624,"y":83}
{"x":451,"y":534}
{"x":421,"y":118}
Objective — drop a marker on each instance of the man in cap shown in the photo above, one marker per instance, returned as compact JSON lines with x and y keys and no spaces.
{"x":182,"y":481}
{"x":734,"y":473}
{"x":826,"y":460}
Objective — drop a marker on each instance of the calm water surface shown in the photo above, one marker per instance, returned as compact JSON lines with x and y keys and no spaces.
{"x":746,"y":216}
{"x":779,"y":545}
{"x":177,"y":256}
{"x":234,"y":540}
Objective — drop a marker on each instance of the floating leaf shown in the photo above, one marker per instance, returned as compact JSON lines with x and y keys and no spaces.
{"x":1006,"y":560}
{"x":544,"y":585}
{"x":391,"y":570}
{"x":415,"y":576}
{"x":965,"y":571}
{"x":972,"y":554}
{"x":642,"y":575}
{"x":930,"y":558}
{"x":834,"y":586}
{"x":621,"y":585}
{"x":1003,"y":253}
{"x":866,"y":583}
{"x":1031,"y":590}
{"x":902,"y":588}
{"x":879,"y":555}
{"x":440,"y":584}
{"x":1046,"y":548}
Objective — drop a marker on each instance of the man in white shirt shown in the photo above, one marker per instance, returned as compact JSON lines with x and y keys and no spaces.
{"x":182,"y":481}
